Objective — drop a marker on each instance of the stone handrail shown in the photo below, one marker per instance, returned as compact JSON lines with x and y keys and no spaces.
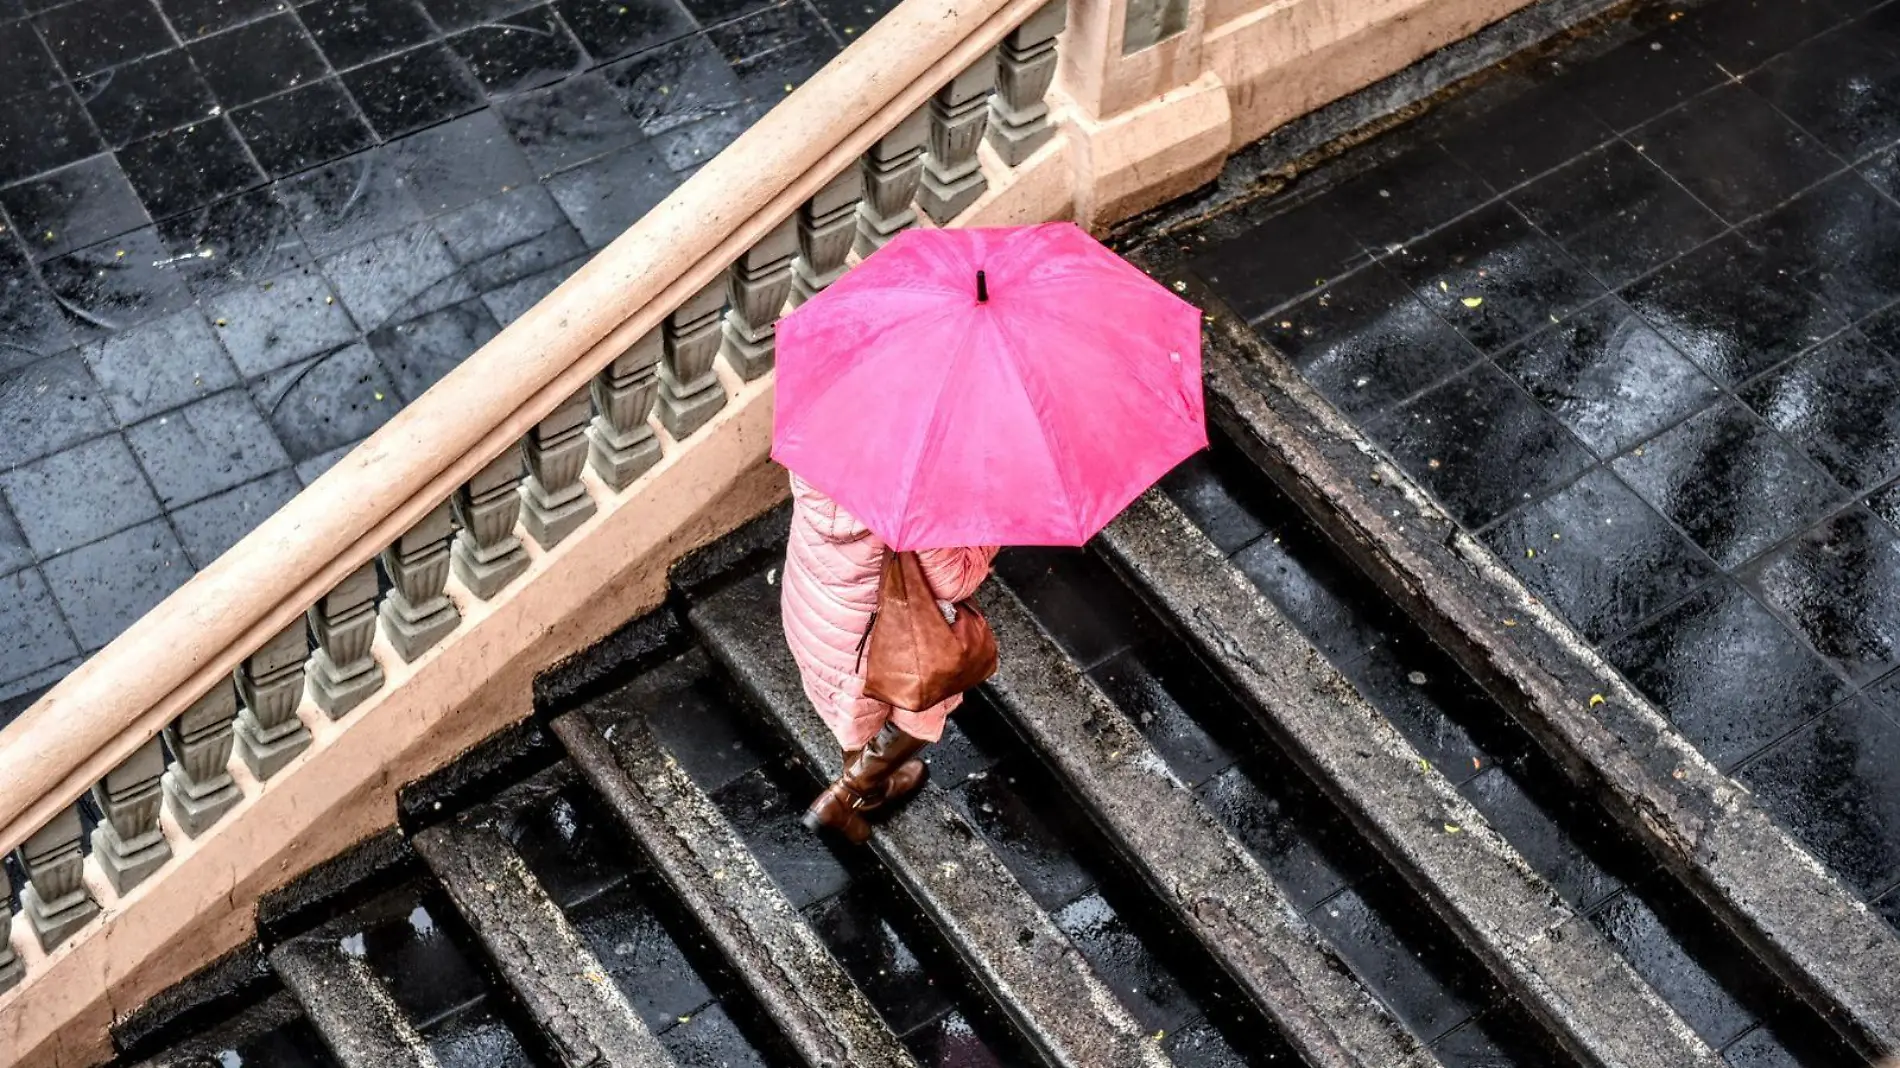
{"x":582,"y":379}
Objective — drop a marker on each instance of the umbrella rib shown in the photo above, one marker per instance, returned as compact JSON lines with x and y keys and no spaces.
{"x":1058,"y":454}
{"x":932,"y":430}
{"x":790,"y":429}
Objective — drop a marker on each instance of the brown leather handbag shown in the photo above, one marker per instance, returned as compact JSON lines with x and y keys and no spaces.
{"x":914,"y":657}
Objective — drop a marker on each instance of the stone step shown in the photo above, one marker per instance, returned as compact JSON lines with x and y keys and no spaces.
{"x":1188,"y":859}
{"x":1553,"y":960}
{"x":1709,"y":832}
{"x":273,"y":1032}
{"x":581,"y":1014}
{"x":1014,"y":948}
{"x":348,"y":1005}
{"x":823,"y":1016}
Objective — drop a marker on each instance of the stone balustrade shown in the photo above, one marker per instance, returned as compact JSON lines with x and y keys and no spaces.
{"x":174,"y":780}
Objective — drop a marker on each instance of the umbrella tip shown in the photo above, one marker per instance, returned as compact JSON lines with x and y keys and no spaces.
{"x":982,"y":289}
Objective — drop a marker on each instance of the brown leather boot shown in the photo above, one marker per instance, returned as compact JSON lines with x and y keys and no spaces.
{"x":876,"y":775}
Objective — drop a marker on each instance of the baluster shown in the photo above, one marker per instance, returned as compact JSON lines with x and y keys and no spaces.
{"x":1025,"y":68}
{"x":417,"y":614}
{"x":270,"y":684}
{"x":892,"y":170}
{"x":757,"y":288}
{"x":553,"y":501}
{"x":622,"y":443}
{"x":689,"y":389}
{"x":55,"y":899}
{"x":342,"y":671}
{"x":487,"y":554}
{"x":827,"y":223}
{"x":128,"y":845}
{"x":11,"y":970}
{"x":959,"y":113}
{"x":199,"y":787}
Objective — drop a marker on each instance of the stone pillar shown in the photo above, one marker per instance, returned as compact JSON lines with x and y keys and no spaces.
{"x":827,"y":225}
{"x":553,"y":501}
{"x":199,"y":788}
{"x":11,"y":970}
{"x":689,"y":389}
{"x":128,"y":845}
{"x":1025,"y":68}
{"x":487,"y":554}
{"x":892,"y":170}
{"x":959,"y":113}
{"x":342,"y":671}
{"x":417,"y":614}
{"x":622,"y":444}
{"x":757,"y":288}
{"x":270,"y":684}
{"x":55,"y":900}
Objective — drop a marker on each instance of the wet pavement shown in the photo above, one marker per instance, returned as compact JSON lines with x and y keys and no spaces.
{"x":1629,"y":313}
{"x":237,"y":235}
{"x":1703,"y":972}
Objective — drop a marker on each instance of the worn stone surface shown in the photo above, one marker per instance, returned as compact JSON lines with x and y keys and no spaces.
{"x":359,"y":1020}
{"x":324,"y":888}
{"x":1505,"y":912}
{"x":822,"y":1014}
{"x":1016,"y":950}
{"x":1711,"y":833}
{"x":580,"y":1011}
{"x":1186,"y":856}
{"x":210,"y":994}
{"x":273,"y":1031}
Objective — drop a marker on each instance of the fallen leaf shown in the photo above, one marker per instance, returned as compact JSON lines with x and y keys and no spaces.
{"x":1596,"y":699}
{"x":1510,"y":622}
{"x":1530,"y":554}
{"x":379,"y":395}
{"x":1472,"y":302}
{"x":1452,"y":828}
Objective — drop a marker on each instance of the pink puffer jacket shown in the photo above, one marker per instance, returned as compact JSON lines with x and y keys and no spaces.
{"x":832,"y":567}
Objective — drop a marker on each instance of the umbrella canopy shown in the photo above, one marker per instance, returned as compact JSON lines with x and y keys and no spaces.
{"x":989,"y":387}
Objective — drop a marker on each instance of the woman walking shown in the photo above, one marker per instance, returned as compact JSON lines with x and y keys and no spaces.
{"x":833,"y":568}
{"x":959,"y":388}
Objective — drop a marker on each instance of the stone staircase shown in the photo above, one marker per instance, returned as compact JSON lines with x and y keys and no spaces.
{"x":1224,"y":805}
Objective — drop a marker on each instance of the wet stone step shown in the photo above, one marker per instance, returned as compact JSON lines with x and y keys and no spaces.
{"x":648,"y":947}
{"x":867,"y":923}
{"x":1226,"y":900}
{"x":392,"y":983}
{"x":270,"y":1034}
{"x":1588,"y":997}
{"x":582,"y":1016}
{"x":1719,"y":989}
{"x":823,"y":1015}
{"x":1058,"y":1001}
{"x":1411,"y":963}
{"x":1140,"y":951}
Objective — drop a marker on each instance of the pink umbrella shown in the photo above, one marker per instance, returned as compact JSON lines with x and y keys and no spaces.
{"x":989,"y":387}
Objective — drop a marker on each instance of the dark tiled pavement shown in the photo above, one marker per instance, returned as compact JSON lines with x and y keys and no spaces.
{"x":236,"y":235}
{"x":1632,"y":314}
